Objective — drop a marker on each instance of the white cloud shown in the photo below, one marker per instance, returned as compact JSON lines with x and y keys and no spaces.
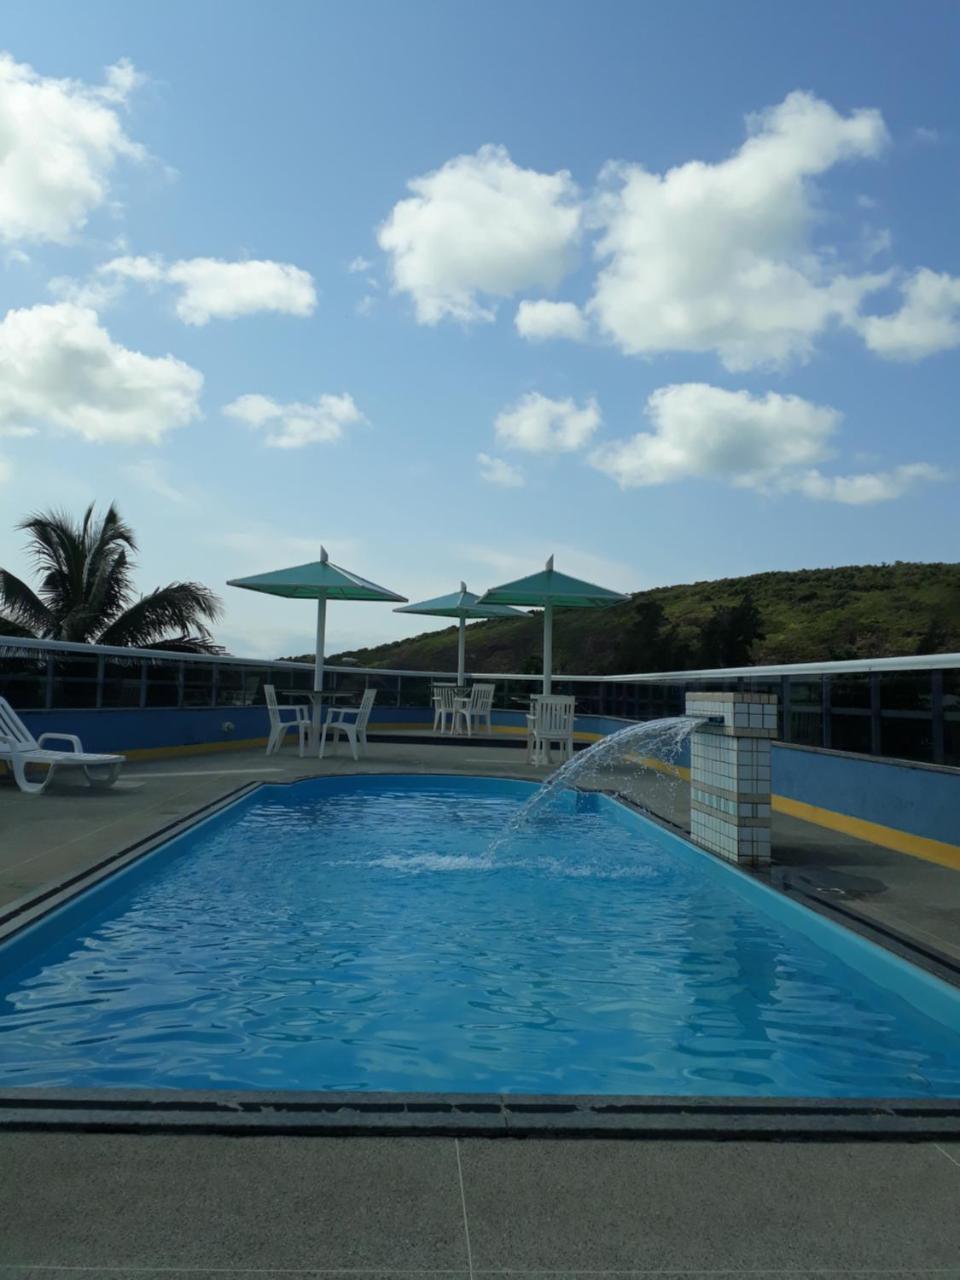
{"x":876,"y":241}
{"x":543,"y":319}
{"x":865,"y":488}
{"x":359,"y":264}
{"x":60,"y":368}
{"x":926,"y":137}
{"x":151,"y":475}
{"x":59,"y":143}
{"x":762,"y":442}
{"x":140,"y":269}
{"x":15,"y":432}
{"x":108,"y":281}
{"x":480,"y":225}
{"x":718,"y":257}
{"x":700,"y":430}
{"x":209,"y":288}
{"x":121,"y":80}
{"x":928,"y":320}
{"x":498,"y":471}
{"x":293,"y":425}
{"x":224,"y":290}
{"x":541,"y":425}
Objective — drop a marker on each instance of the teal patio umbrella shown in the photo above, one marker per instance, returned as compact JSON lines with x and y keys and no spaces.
{"x":548,"y":590}
{"x":462,"y":604}
{"x":320,"y":581}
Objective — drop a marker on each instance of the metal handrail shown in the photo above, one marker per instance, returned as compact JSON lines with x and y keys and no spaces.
{"x":921,"y":662}
{"x":851,"y":666}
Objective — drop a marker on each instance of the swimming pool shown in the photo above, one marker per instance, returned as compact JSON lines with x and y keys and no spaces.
{"x":358,"y":933}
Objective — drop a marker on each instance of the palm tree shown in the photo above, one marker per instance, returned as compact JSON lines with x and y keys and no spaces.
{"x":86,"y":590}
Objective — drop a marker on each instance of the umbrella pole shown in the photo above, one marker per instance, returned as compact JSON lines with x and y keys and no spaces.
{"x":547,"y":646}
{"x":318,"y":668}
{"x":462,"y":652}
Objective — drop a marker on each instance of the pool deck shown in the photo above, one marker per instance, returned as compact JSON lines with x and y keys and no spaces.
{"x":168,"y":1205}
{"x":83,"y":1206}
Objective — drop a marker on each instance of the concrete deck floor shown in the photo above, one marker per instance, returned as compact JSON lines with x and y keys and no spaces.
{"x":142,"y":1208}
{"x":152,"y":1206}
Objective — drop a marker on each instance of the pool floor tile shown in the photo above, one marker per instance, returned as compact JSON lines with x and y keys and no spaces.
{"x":578,"y":1206}
{"x":124,"y":1201}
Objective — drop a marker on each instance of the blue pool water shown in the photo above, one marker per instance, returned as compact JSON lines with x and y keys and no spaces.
{"x":357,"y":933}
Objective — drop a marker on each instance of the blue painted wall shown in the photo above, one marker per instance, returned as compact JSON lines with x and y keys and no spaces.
{"x":130,"y":729}
{"x":918,"y":799}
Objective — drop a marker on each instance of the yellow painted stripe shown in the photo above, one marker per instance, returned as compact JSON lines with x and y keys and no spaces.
{"x":194,"y":749}
{"x":509,"y":730}
{"x":947,"y":855}
{"x":661,"y":766}
{"x":171,"y":753}
{"x":247,"y":744}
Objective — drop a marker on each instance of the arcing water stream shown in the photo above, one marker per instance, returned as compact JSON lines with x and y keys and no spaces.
{"x":652,"y":745}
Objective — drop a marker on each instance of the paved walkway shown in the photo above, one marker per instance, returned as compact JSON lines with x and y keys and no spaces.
{"x":143,"y":1208}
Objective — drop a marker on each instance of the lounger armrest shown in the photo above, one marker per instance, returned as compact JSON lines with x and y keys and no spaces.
{"x":72,"y":738}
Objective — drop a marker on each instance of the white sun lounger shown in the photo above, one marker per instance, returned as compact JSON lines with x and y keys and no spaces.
{"x":19,"y":749}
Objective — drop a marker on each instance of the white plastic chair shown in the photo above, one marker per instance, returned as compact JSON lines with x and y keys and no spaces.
{"x":477,"y":707}
{"x":444,"y":704}
{"x":550,"y":721}
{"x":355,"y":730}
{"x":19,"y":749}
{"x":285,"y":719}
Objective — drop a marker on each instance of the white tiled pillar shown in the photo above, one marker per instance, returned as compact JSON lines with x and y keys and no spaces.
{"x":730,"y":774}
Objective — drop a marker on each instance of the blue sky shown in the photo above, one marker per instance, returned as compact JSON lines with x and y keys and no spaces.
{"x":686,"y":276}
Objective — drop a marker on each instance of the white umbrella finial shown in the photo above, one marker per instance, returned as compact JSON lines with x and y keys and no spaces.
{"x":550,"y":565}
{"x":323,"y":555}
{"x":463,"y":586}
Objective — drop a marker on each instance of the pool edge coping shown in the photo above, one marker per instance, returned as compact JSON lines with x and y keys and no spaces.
{"x":345,"y":1114}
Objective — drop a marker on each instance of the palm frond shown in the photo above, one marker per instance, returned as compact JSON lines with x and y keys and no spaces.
{"x":107,"y":585}
{"x":57,"y":548}
{"x":22,"y":608}
{"x":181,"y":607}
{"x":10,"y":627}
{"x":84,"y":568}
{"x":189,"y":644}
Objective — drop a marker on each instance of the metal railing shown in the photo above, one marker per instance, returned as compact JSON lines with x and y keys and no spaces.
{"x":903,"y":707}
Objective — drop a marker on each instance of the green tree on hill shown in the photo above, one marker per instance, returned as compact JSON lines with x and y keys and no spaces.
{"x":729,"y":635}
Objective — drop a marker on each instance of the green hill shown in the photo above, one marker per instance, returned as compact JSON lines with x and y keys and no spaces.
{"x":809,"y":615}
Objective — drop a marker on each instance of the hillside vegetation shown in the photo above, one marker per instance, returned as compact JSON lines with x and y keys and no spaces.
{"x":808,"y":615}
